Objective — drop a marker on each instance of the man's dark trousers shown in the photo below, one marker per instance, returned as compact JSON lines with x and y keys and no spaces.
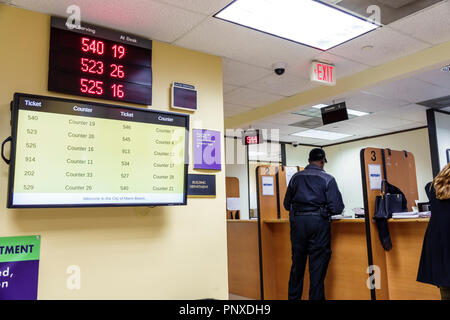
{"x":310,"y":236}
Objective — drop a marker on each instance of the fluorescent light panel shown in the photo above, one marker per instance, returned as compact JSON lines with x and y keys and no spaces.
{"x":320,"y":134}
{"x":306,"y":21}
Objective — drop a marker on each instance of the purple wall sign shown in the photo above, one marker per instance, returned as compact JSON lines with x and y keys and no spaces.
{"x":19,"y":267}
{"x":206,"y":144}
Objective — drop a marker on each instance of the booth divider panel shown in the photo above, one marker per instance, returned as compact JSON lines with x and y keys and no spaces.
{"x":401,"y":172}
{"x":282,"y":187}
{"x":373,"y":156}
{"x":403,"y":263}
{"x":267,"y":204}
{"x":232,"y":190}
{"x":243,"y":259}
{"x":399,"y":265}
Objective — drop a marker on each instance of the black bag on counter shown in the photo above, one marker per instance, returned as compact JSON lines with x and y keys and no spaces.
{"x":390,"y":201}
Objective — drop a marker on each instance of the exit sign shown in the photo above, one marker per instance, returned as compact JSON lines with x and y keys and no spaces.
{"x":323,"y":73}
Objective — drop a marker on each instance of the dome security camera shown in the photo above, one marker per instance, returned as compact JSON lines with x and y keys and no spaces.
{"x":279,"y":68}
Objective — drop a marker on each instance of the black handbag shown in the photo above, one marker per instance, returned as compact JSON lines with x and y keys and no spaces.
{"x":390,"y":201}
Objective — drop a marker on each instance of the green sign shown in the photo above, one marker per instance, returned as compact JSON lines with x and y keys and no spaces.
{"x":19,"y":267}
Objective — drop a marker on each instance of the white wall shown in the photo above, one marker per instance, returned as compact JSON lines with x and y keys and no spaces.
{"x":297,"y":156}
{"x":443,"y":136}
{"x":236,"y":166}
{"x":344,"y":163}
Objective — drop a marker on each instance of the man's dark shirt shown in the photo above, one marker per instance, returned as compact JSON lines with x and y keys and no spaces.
{"x":311,"y":189}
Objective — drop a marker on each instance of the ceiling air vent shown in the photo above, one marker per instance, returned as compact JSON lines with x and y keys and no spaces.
{"x":437,"y":103}
{"x":310,"y":123}
{"x":396,"y":3}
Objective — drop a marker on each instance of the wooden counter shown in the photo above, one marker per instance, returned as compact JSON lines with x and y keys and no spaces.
{"x":402,"y":261}
{"x":346,"y":277}
{"x":243,"y":258}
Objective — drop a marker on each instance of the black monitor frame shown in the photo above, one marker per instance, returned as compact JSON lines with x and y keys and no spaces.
{"x":14,"y":120}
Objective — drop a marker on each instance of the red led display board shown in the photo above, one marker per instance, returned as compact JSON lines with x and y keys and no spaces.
{"x":100,"y":63}
{"x":252,"y":137}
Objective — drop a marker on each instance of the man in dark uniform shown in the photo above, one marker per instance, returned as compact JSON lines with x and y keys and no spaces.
{"x":312,"y":197}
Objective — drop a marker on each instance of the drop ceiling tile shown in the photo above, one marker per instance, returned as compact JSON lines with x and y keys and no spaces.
{"x":346,"y":127}
{"x":250,"y":98}
{"x":240,"y":74}
{"x":151,"y":19}
{"x":412,"y":125}
{"x":354,"y":127}
{"x":276,"y":129}
{"x":368,"y":102}
{"x":238,"y":43}
{"x":285,"y":85}
{"x":312,"y":141}
{"x":201,"y":6}
{"x":229,"y":87}
{"x":430,"y":25}
{"x":376,"y":121}
{"x":264,"y":125}
{"x":436,"y":77}
{"x":285,"y":130}
{"x":387,"y":45}
{"x":288,"y":138}
{"x":409,"y":89}
{"x":231,"y":110}
{"x":411,"y":112}
{"x":287,"y":119}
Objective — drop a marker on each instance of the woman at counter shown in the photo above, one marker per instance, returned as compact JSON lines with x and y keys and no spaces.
{"x":434,"y":265}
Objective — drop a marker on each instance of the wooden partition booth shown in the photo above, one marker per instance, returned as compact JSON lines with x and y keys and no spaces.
{"x":398,"y":267}
{"x":346,"y":277}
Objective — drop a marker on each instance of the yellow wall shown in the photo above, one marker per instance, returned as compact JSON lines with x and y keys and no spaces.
{"x":123,"y":253}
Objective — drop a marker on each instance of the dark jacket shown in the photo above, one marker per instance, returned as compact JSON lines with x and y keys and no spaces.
{"x":434,"y":267}
{"x":311,"y":189}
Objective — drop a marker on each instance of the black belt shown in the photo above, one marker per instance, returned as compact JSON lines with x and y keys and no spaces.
{"x":310,"y":213}
{"x":308,"y":208}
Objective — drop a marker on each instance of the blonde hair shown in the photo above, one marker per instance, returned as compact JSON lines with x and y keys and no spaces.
{"x":441,"y":183}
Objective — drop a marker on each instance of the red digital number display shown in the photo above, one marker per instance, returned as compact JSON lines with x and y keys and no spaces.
{"x":93,"y":66}
{"x":252,"y":140}
{"x":90,"y":66}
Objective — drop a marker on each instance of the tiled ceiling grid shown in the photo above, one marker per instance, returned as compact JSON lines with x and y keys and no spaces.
{"x":249,"y":81}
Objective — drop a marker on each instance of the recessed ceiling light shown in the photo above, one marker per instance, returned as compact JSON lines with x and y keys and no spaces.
{"x":320,"y":134}
{"x":357,"y":113}
{"x":349,"y":111}
{"x":309,"y":22}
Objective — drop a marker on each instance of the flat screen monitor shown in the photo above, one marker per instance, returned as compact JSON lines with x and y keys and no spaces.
{"x":184,"y":97}
{"x":334,"y":113}
{"x":70,"y":153}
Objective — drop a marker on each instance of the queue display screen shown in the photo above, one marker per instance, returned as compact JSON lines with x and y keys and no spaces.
{"x":69,"y":153}
{"x":99,"y":63}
